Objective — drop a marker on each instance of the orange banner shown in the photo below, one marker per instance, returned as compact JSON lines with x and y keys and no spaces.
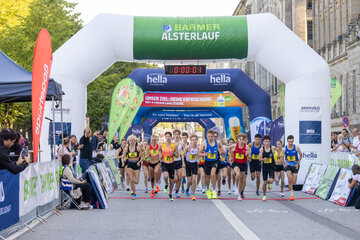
{"x":221,"y":99}
{"x":40,"y":80}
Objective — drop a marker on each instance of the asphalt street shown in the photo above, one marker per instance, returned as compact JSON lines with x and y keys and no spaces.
{"x":225,"y":218}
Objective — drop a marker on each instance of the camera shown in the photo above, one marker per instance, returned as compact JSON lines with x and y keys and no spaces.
{"x":25,"y":152}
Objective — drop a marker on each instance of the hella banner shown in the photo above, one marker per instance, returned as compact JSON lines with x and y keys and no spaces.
{"x":9,"y":199}
{"x":40,"y":79}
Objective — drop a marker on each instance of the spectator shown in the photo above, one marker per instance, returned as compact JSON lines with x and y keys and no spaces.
{"x":346,"y":142}
{"x":15,"y":150}
{"x":356,"y":142}
{"x":7,"y":139}
{"x":338,"y":147}
{"x":95,"y":142}
{"x":69,"y":181}
{"x":115,"y":143}
{"x":64,"y":148}
{"x":354,"y":182}
{"x":334,"y":141}
{"x":98,"y":159}
{"x":74,"y":147}
{"x":85,"y":148}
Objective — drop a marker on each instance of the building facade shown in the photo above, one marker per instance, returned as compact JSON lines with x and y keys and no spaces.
{"x":336,"y":31}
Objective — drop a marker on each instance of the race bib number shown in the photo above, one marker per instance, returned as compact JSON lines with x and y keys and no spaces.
{"x":267,"y":160}
{"x":239,"y":156}
{"x":211,"y":156}
{"x":132,"y":155}
{"x":291,"y":158}
{"x":154,"y":152}
{"x":167,"y":159}
{"x":255,"y":156}
{"x":193,"y":156}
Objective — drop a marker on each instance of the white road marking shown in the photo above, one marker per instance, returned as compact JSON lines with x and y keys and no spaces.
{"x":266,"y":211}
{"x":237,"y":224}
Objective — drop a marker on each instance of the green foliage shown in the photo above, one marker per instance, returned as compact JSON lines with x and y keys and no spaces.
{"x":99,"y":92}
{"x":18,"y":38}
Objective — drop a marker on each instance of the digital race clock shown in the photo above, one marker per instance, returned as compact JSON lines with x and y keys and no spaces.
{"x":185,"y":69}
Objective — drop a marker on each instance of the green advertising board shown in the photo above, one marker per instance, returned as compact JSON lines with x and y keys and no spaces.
{"x":190,"y":38}
{"x":326,"y":182}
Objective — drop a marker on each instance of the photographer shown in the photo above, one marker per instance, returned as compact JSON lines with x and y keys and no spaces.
{"x":7,"y":138}
{"x":354,"y":182}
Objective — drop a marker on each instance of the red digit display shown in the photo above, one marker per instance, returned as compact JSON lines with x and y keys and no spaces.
{"x":185,"y":69}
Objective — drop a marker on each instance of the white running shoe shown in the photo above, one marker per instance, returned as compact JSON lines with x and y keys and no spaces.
{"x":239,"y":198}
{"x":282,"y":194}
{"x":84,"y":206}
{"x":229,"y":192}
{"x":234,"y":188}
{"x":236,"y":192}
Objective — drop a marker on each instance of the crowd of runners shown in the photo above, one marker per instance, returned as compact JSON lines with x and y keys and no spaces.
{"x":188,"y":167}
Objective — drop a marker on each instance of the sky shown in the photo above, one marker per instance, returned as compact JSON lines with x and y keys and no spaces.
{"x":174,"y":8}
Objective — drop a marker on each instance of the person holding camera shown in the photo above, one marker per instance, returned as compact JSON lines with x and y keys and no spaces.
{"x":7,"y":138}
{"x":354,"y":182}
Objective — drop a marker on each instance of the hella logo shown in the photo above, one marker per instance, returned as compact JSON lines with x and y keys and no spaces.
{"x":309,"y":155}
{"x":156,"y":78}
{"x":220,"y":78}
{"x":310,"y":131}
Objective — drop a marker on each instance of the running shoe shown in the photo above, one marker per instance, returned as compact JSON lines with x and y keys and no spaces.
{"x":242,"y":194}
{"x":239,"y":198}
{"x":223,"y":181}
{"x":177,"y":195}
{"x":133,"y":197}
{"x":214,"y":195}
{"x":237,"y":192}
{"x":152,"y":193}
{"x":208,"y":194}
{"x":193,"y":197}
{"x":131,"y":193}
{"x":203,"y":189}
{"x":229,"y":192}
{"x":269,"y":186}
{"x":187,"y":193}
{"x":219,"y":193}
{"x":264,"y":198}
{"x":282,"y":194}
{"x":171,"y":198}
{"x":127,"y":188}
{"x":292,"y":198}
{"x":257,"y":193}
{"x":234,"y":188}
{"x":157,"y":189}
{"x":146,"y":190}
{"x":84,"y":206}
{"x":182,"y":188}
{"x":198,"y":188}
{"x":166,"y":189}
{"x":183,"y":180}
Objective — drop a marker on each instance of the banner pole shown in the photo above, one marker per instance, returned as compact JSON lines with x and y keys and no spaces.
{"x":62,"y":127}
{"x":53,"y":129}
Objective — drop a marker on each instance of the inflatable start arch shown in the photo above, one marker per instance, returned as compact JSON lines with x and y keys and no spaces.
{"x":261,"y":37}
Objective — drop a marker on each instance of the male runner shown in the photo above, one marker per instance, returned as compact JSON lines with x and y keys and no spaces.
{"x":268,"y":165}
{"x":178,"y":162}
{"x":190,"y":160}
{"x":255,"y":166}
{"x":168,"y":152}
{"x":184,"y":138}
{"x":230,"y":167}
{"x":211,"y":148}
{"x":279,"y":166}
{"x":240,"y":153}
{"x":145,"y":166}
{"x":293,"y":156}
{"x":201,"y":173}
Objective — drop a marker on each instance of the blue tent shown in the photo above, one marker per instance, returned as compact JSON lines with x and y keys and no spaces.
{"x":15,"y":83}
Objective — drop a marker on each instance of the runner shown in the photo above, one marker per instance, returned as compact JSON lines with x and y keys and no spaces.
{"x":279,"y":166}
{"x":145,"y":166}
{"x":293,"y":156}
{"x":133,"y":155}
{"x":168,"y":152}
{"x":190,"y":160}
{"x":268,"y":165}
{"x":122,"y":166}
{"x":255,"y":166}
{"x":184,"y":138}
{"x":201,"y":173}
{"x":222,"y":168}
{"x":177,"y":162}
{"x":152,"y":152}
{"x":229,"y":167}
{"x":210,"y":148}
{"x":240,"y":153}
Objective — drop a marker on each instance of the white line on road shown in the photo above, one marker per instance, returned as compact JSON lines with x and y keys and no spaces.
{"x":239,"y":226}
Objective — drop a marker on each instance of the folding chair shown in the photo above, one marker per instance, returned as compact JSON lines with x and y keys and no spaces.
{"x":66,"y":198}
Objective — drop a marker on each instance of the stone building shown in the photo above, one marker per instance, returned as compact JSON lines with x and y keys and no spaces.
{"x":336,"y":31}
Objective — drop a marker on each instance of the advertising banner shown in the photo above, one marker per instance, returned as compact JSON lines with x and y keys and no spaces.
{"x":282,"y":99}
{"x":327,"y":182}
{"x":40,"y":80}
{"x":9,"y":199}
{"x":111,"y":174}
{"x":190,"y":38}
{"x":133,"y":109}
{"x":343,"y":159}
{"x":115,"y":170}
{"x":316,"y":172}
{"x":183,"y":114}
{"x":136,"y":130}
{"x":98,"y":190}
{"x":259,"y":125}
{"x":336,"y":91}
{"x":310,"y":132}
{"x":220,"y":99}
{"x":39,"y":184}
{"x":310,"y":108}
{"x":105,"y":178}
{"x":122,"y":97}
{"x":341,"y":191}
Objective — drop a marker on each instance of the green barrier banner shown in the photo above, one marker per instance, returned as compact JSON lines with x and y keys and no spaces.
{"x":133,"y":109}
{"x":190,"y":37}
{"x":115,"y":171}
{"x":326,"y":182}
{"x":122,"y":97}
{"x":282,"y":100}
{"x":336,"y":91}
